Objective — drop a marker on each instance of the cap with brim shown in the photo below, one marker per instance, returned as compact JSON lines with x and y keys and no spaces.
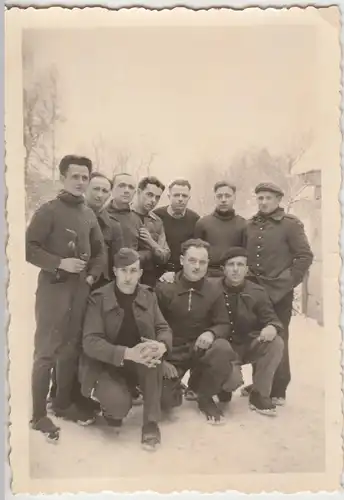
{"x":269,"y":186}
{"x":125,"y":257}
{"x":234,"y":252}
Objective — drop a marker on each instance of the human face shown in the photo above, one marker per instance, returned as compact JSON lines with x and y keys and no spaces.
{"x":123,"y":190}
{"x":235,"y":270}
{"x":195,"y":263}
{"x":268,"y":202}
{"x":179,"y":197}
{"x":98,"y":192}
{"x":128,"y":277}
{"x":76,"y":179}
{"x":148,"y":197}
{"x":224,"y":199}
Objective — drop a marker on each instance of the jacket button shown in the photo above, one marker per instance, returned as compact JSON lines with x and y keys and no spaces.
{"x":258,"y":264}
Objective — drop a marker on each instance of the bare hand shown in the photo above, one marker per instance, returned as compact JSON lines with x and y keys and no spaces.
{"x":205,"y":340}
{"x":142,"y":355}
{"x":72,"y":265}
{"x":146,"y":237}
{"x":267,"y":334}
{"x":90,"y":280}
{"x":168,"y":370}
{"x":168,"y":277}
{"x":157,"y":348}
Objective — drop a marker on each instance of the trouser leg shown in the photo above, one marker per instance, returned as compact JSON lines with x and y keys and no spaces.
{"x":150,"y":382}
{"x":40,"y":381}
{"x":265,"y":357}
{"x":113,"y":395}
{"x":215,"y":367}
{"x":282,"y":376}
{"x":66,"y":376}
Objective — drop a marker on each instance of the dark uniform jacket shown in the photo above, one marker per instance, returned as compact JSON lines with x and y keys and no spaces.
{"x":279,"y":254}
{"x":102,"y":324}
{"x":191,"y":308}
{"x":113,"y":238}
{"x":253,"y":311}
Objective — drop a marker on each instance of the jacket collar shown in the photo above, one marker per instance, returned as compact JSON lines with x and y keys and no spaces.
{"x":184,"y":286}
{"x":104,"y":217}
{"x":277,"y":215}
{"x":110,"y":300}
{"x":150,"y":215}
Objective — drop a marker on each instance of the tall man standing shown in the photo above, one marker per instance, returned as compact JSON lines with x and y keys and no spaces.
{"x":179,"y":221}
{"x":223,"y":228}
{"x":194,"y":307}
{"x":65,"y":241}
{"x":97,"y":193}
{"x":151,"y":234}
{"x":279,"y":256}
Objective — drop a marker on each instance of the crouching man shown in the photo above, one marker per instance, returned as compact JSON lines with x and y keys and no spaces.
{"x":254,"y":328}
{"x":194,"y":308}
{"x":124,"y":339}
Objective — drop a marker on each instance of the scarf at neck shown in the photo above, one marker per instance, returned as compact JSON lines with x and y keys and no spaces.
{"x":229,"y":214}
{"x":278,"y":212}
{"x":233,"y":289}
{"x":70,"y":199}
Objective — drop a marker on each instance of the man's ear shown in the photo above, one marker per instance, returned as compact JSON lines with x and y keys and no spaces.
{"x":114,"y":271}
{"x":181,"y":259}
{"x":140,"y":273}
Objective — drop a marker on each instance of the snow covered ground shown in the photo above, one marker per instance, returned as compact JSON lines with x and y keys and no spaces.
{"x":294,"y":441}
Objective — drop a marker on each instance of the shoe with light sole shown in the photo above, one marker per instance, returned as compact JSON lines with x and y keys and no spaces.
{"x":150,"y":437}
{"x":278,"y":401}
{"x":46,"y":427}
{"x":210,"y":409}
{"x":262,"y":405}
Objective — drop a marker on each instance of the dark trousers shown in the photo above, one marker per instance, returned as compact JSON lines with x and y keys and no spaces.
{"x":265,"y":358}
{"x":282,"y":377}
{"x":114,"y":391}
{"x":209,"y":370}
{"x":57,"y":345}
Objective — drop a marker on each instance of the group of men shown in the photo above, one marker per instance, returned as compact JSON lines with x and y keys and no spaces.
{"x":130,"y":297}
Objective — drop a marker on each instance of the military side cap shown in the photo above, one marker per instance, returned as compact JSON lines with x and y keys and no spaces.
{"x":125,"y":257}
{"x":234,"y":252}
{"x":269,"y":186}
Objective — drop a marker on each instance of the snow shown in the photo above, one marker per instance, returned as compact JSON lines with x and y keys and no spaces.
{"x":294,"y":441}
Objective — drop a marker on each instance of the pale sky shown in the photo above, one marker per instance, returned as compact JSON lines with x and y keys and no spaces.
{"x":186,"y":94}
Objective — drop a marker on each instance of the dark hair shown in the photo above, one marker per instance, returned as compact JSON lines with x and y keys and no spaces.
{"x":194,"y":242}
{"x":221,"y":184}
{"x":180,"y":182}
{"x":150,"y":180}
{"x":69,"y":160}
{"x":94,"y":175}
{"x":118,"y":174}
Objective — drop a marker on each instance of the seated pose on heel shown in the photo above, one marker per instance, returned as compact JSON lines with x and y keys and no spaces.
{"x":194,"y":307}
{"x":125,"y":337}
{"x":254,"y":328}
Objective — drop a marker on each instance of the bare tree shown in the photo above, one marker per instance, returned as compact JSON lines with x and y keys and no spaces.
{"x":42,"y":114}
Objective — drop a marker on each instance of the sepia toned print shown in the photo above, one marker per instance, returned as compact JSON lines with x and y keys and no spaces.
{"x":173,"y":249}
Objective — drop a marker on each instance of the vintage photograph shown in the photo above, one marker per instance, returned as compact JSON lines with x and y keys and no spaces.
{"x":173,"y":182}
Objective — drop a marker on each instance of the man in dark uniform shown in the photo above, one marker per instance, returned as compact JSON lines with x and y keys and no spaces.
{"x":254,"y":328}
{"x":97,"y":193}
{"x":194,"y":307}
{"x":63,"y":239}
{"x":279,"y":256}
{"x":125,"y":336}
{"x":223,"y":228}
{"x":179,"y":222}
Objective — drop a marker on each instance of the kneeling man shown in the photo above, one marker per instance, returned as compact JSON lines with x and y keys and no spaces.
{"x":124,"y":339}
{"x":194,"y":307}
{"x":254,"y":328}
